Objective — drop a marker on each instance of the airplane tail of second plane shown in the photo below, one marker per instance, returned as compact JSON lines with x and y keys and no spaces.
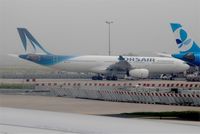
{"x":183,"y":40}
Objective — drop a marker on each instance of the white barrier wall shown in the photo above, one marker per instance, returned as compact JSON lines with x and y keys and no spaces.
{"x":154,"y":93}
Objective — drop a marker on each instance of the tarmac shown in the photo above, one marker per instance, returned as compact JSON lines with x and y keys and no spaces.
{"x":83,"y":106}
{"x":74,"y":105}
{"x":34,"y":81}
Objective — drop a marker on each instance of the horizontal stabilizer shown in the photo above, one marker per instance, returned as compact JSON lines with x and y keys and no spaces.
{"x":164,"y":55}
{"x":14,"y":55}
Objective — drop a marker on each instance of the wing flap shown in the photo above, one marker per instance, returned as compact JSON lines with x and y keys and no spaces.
{"x":121,"y":65}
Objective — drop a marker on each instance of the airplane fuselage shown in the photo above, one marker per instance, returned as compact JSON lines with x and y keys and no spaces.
{"x":99,"y":64}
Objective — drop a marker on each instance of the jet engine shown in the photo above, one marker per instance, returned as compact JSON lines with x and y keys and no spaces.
{"x":139,"y":73}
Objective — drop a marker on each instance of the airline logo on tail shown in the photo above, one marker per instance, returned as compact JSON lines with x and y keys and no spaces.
{"x":26,"y":36}
{"x":183,"y":40}
{"x":46,"y":59}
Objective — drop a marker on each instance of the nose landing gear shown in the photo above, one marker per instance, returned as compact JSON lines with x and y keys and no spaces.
{"x":98,"y":77}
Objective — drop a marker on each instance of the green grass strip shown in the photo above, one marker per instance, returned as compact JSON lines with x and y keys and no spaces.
{"x":16,"y":86}
{"x":183,"y":115}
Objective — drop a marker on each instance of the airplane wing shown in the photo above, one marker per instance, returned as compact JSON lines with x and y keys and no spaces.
{"x":18,"y":121}
{"x":121,"y":65}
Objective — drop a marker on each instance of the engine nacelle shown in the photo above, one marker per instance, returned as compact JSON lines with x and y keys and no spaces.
{"x":139,"y":73}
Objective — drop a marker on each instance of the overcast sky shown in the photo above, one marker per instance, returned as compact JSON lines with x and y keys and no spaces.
{"x":77,"y":27}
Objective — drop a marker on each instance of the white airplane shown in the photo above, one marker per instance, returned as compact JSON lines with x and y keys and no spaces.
{"x":109,"y":66}
{"x":22,"y":121}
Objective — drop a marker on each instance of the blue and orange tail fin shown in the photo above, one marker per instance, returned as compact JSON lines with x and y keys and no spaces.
{"x":183,"y":40}
{"x":26,"y":36}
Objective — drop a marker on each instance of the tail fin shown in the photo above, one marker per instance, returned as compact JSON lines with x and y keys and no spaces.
{"x":25,"y":35}
{"x":183,"y":40}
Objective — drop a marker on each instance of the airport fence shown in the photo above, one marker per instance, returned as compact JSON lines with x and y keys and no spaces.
{"x":150,"y":93}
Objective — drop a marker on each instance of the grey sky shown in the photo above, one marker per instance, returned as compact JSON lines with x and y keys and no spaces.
{"x":78,"y":26}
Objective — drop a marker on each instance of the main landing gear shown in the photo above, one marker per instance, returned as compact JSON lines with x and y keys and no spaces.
{"x":111,"y":78}
{"x":99,"y":77}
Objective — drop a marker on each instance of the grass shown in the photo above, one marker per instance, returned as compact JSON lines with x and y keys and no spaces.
{"x":182,"y":115}
{"x":16,"y":86}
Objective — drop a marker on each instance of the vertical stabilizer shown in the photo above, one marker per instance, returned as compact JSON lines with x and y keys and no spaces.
{"x":183,"y":40}
{"x":26,"y":36}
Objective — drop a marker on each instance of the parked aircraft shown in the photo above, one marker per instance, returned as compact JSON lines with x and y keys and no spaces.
{"x":189,"y":50}
{"x":108,"y":66}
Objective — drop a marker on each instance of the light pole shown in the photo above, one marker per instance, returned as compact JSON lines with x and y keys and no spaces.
{"x":109,"y":22}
